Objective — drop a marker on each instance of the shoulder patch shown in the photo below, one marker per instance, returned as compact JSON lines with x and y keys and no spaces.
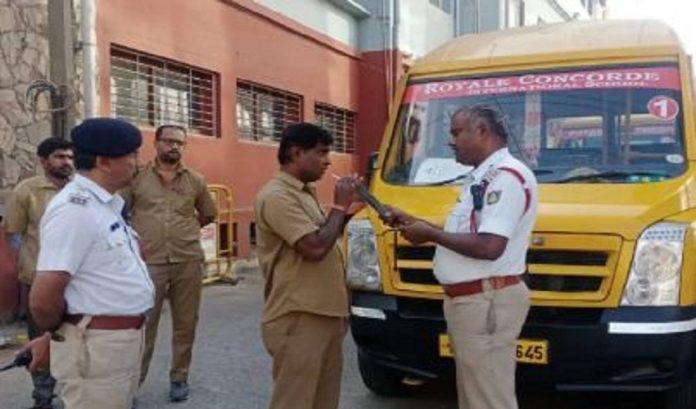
{"x":493,"y":197}
{"x":78,"y":199}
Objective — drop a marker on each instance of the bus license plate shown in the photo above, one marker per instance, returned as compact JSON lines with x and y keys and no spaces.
{"x":528,"y":351}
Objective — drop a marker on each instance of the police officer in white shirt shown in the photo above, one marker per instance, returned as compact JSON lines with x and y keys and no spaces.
{"x":480,"y":256}
{"x":92,"y":289}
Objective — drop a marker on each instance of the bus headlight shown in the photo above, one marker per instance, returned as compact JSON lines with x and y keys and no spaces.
{"x":655,"y":273}
{"x":362,"y":269}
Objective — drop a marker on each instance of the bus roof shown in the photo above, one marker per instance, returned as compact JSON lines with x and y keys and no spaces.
{"x":575,"y":40}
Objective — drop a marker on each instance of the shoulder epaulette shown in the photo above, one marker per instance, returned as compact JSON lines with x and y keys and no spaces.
{"x":78,"y":198}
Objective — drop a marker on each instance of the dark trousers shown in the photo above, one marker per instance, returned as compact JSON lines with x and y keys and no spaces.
{"x":43,"y":381}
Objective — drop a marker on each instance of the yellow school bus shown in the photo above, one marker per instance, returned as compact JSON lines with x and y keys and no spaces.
{"x":602,"y":112}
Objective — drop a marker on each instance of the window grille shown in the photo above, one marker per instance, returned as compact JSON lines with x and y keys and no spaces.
{"x":263,"y":112}
{"x":152,"y":91}
{"x":340,"y":122}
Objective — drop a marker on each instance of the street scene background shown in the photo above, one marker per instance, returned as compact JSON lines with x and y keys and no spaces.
{"x":232,"y":370}
{"x":235,"y":53}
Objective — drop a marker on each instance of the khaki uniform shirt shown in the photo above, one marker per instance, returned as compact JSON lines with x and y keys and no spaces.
{"x":166,"y":217}
{"x":286,"y":210}
{"x":25,"y":207}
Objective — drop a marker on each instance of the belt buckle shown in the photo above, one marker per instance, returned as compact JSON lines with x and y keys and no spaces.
{"x":57,"y":337}
{"x":487,"y":284}
{"x":497,"y":282}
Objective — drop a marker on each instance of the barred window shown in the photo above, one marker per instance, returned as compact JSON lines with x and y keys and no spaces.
{"x":263,"y":112}
{"x":340,"y":122}
{"x":152,"y":91}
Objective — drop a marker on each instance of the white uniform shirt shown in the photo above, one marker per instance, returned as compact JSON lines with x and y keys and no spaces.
{"x":503,"y":214}
{"x":83,"y":233}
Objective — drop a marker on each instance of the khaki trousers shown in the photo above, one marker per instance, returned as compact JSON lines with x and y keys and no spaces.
{"x":307,"y":352}
{"x":483,"y":328}
{"x":96,"y":368}
{"x":181,"y":283}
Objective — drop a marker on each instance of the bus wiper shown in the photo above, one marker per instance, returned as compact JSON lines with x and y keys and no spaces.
{"x":465,"y":175}
{"x":446,"y":181}
{"x":538,"y":172}
{"x":610,"y":174}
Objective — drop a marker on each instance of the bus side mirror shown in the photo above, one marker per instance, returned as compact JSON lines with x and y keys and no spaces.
{"x":371,"y":166}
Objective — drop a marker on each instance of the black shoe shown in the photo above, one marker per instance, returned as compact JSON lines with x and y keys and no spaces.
{"x":179,"y":391}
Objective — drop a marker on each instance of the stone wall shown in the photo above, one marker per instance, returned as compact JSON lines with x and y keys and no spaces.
{"x":76,"y":92}
{"x":23,"y":59}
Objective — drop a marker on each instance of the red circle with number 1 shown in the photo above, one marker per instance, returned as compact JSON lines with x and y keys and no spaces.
{"x":663,"y":107}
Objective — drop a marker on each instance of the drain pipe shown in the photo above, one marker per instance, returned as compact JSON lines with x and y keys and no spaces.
{"x":89,"y":59}
{"x":456,"y":24}
{"x":395,"y":49}
{"x":388,"y":7}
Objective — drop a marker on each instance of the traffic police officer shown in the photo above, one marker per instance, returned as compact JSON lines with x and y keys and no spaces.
{"x":92,"y":288}
{"x":480,"y":256}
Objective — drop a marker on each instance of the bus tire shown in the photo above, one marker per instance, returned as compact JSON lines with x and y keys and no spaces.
{"x":379,"y":379}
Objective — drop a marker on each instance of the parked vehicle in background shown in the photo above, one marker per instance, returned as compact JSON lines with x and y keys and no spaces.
{"x":602,"y":111}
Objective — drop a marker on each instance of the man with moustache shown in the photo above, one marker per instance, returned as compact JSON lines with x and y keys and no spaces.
{"x":92,"y":290}
{"x":306,"y":298}
{"x":25,"y":207}
{"x":168,"y":204}
{"x":480,"y":256}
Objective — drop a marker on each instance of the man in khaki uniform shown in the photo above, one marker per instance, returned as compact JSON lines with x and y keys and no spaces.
{"x":169,"y":203}
{"x":306,"y":299}
{"x":25,"y":207}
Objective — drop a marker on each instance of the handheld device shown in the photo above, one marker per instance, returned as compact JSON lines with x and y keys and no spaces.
{"x":21,"y":360}
{"x":372,"y":201}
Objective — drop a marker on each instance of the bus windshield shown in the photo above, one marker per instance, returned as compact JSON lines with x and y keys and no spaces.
{"x":619,"y":124}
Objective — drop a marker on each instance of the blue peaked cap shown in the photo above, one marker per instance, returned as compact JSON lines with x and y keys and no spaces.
{"x":108,"y":137}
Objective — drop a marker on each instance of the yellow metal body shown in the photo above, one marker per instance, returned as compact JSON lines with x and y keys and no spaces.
{"x":619,"y":212}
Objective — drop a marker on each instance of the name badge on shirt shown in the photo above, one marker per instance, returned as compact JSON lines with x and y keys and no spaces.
{"x":78,"y":199}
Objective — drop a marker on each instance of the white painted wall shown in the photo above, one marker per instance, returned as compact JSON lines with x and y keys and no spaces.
{"x":482,"y":15}
{"x":319,"y":15}
{"x":498,"y":14}
{"x":423,"y":27}
{"x":541,"y":10}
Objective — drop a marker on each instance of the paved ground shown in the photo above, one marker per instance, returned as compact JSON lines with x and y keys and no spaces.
{"x":231,"y":369}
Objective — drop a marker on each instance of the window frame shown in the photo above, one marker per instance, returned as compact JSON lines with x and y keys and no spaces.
{"x":155,"y":82}
{"x":258,"y":94}
{"x":345,"y":138}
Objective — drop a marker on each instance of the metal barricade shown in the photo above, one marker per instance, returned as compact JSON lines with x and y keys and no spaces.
{"x":218,"y":239}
